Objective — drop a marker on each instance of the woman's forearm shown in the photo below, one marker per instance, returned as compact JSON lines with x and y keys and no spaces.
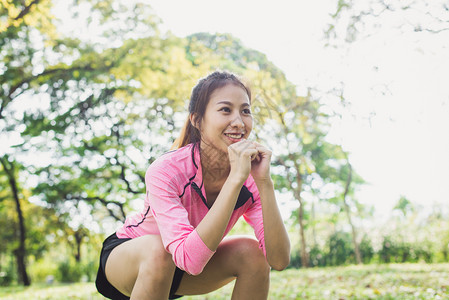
{"x":213,"y":226}
{"x":277,"y":243}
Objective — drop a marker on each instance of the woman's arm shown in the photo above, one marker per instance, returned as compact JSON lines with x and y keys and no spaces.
{"x":277,"y":243}
{"x":212,"y":228}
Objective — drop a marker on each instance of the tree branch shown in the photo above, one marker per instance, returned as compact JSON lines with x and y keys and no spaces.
{"x":47,"y":72}
{"x":123,"y":177}
{"x":26,"y":10}
{"x":105,"y":203}
{"x":434,"y":31}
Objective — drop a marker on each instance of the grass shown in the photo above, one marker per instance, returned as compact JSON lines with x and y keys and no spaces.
{"x":394,"y":281}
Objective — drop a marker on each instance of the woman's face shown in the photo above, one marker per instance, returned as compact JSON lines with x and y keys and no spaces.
{"x":228,"y":118}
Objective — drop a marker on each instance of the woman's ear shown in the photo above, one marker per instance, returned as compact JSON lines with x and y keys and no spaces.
{"x":194,"y":120}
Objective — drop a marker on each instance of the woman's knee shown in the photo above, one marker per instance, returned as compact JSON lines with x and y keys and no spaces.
{"x":155,"y":262}
{"x":144,"y":258}
{"x":248,"y":256}
{"x":157,"y":265}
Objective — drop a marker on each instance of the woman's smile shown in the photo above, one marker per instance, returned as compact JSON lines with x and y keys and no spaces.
{"x":234,"y":137}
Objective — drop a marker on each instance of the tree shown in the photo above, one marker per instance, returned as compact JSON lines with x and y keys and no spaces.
{"x":404,"y":206}
{"x":20,"y":23}
{"x":38,"y":64}
{"x":301,"y":127}
{"x":10,"y":169}
{"x":354,"y":20}
{"x":340,"y":182}
{"x":348,"y":212}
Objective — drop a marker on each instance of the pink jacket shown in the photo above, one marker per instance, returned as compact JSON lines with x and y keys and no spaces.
{"x":175,"y":204}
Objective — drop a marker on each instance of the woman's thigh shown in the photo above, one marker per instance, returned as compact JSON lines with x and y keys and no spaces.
{"x":234,"y":255}
{"x":124,"y":263}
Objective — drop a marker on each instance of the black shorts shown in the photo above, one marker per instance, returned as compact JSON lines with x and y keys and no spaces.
{"x":103,"y":285}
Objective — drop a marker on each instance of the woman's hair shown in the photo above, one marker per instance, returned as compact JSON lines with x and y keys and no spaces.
{"x":198,"y":102}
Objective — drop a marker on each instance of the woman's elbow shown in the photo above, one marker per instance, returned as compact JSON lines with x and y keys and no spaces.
{"x":280,"y":264}
{"x":193,"y":269}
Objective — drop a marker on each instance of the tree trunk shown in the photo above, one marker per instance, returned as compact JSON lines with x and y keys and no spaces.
{"x":78,"y":239}
{"x":20,"y":252}
{"x":358,"y":257}
{"x":304,"y":253}
{"x":297,"y":193}
{"x":313,"y":221}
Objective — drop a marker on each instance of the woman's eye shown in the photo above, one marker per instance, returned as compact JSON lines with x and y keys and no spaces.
{"x":247,"y":111}
{"x":225,"y":109}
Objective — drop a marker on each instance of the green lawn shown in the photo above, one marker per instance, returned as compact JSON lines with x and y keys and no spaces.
{"x":395,"y":281}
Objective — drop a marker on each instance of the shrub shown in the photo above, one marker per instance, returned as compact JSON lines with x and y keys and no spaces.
{"x":341,"y":250}
{"x":366,"y":250}
{"x":389,"y":250}
{"x":8,"y":274}
{"x":41,"y":269}
{"x":89,"y":269}
{"x":424,"y":252}
{"x":6,"y":278}
{"x":394,"y":251}
{"x":317,"y":257}
{"x":295,"y":260}
{"x":69,"y":271}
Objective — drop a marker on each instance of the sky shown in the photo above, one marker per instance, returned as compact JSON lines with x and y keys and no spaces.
{"x":396,"y":123}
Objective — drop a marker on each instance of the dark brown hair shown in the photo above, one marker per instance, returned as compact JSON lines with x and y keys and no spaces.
{"x":198,"y":102}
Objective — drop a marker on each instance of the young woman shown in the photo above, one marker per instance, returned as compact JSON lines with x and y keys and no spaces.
{"x":194,"y":195}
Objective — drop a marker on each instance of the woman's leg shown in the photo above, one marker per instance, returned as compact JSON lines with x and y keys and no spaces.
{"x":236,"y":258}
{"x":141,"y":268}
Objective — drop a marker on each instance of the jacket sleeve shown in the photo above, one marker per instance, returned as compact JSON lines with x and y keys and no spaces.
{"x":179,"y":237}
{"x":254,"y":217}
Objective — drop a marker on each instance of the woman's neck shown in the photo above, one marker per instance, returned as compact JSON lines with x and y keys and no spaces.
{"x":214,"y":163}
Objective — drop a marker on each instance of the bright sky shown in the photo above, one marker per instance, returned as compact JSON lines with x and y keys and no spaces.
{"x":397,"y":124}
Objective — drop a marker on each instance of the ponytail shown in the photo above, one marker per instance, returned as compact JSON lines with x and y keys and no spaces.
{"x":189,"y":134}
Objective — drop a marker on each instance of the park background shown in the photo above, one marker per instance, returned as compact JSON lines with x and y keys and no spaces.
{"x":351,"y":97}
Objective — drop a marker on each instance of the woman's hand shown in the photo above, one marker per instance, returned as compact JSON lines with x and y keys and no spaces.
{"x":260,"y":165}
{"x":248,"y":156}
{"x":240,"y":156}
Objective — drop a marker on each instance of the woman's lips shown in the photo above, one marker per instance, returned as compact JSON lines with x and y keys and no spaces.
{"x":234,"y":137}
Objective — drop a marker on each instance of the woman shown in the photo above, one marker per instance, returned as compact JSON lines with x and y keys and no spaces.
{"x":194,"y":195}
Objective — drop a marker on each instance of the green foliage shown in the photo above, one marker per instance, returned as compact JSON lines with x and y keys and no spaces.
{"x":397,"y":251}
{"x":68,"y":271}
{"x":341,"y":250}
{"x":404,"y":206}
{"x":394,"y":281}
{"x":317,"y":257}
{"x":366,"y":250}
{"x":89,"y":269}
{"x":41,"y":269}
{"x":60,"y":262}
{"x":7,"y":273}
{"x":295,"y":260}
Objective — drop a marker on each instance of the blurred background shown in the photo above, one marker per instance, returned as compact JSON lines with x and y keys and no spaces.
{"x":352,"y":97}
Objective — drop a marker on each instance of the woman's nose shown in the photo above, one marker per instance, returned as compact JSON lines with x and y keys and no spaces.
{"x":237,"y":122}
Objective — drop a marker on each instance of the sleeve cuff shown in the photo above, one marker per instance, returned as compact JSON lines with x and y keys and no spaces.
{"x":200,"y":254}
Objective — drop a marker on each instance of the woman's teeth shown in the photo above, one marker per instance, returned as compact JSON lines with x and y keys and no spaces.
{"x":234,"y":136}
